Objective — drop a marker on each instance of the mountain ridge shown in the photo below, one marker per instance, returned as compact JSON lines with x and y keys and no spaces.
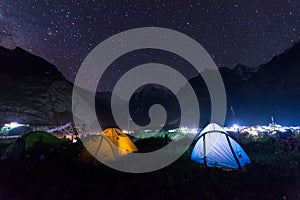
{"x":33,"y":90}
{"x":273,"y":90}
{"x":42,"y":95}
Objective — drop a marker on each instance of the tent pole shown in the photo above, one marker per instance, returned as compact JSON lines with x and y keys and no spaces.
{"x":236,"y":159}
{"x":204,"y":150}
{"x":100,"y":143}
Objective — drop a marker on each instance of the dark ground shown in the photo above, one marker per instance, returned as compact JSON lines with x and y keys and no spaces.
{"x":273,"y":174}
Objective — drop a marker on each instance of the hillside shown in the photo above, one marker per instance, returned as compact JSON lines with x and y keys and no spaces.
{"x":256,"y":94}
{"x":32,"y":90}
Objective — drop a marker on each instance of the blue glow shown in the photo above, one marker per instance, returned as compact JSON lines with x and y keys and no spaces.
{"x":236,"y":126}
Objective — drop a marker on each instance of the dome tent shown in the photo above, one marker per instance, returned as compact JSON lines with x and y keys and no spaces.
{"x":39,"y":138}
{"x":112,"y":143}
{"x":215,"y":148}
{"x":35,"y":142}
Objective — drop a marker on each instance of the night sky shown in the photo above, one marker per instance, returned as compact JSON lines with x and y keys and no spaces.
{"x":64,"y":32}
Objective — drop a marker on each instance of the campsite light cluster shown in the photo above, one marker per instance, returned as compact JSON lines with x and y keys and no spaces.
{"x":113,"y":143}
{"x":258,"y":130}
{"x":271,"y":129}
{"x":9,"y":129}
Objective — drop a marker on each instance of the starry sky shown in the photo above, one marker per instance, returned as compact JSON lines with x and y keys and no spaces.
{"x":64,"y":32}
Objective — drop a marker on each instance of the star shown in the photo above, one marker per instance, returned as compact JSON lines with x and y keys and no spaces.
{"x":64,"y":32}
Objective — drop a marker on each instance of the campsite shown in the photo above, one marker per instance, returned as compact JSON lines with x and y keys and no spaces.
{"x":68,"y":171}
{"x":162,"y":99}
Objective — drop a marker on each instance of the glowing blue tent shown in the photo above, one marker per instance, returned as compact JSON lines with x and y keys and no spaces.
{"x":215,"y":148}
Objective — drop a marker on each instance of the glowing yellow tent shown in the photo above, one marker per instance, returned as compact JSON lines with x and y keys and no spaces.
{"x":109,"y":144}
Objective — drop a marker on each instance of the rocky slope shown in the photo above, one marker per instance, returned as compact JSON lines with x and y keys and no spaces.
{"x":275,"y":90}
{"x":152,"y":94}
{"x":255,"y":94}
{"x":272,"y":89}
{"x":35,"y":92}
{"x":32,"y":90}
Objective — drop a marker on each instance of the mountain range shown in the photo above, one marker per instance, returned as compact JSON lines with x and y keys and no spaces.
{"x":254,"y":95}
{"x":34,"y":91}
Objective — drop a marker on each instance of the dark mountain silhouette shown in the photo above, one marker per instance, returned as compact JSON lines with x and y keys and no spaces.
{"x":274,"y":90}
{"x":149,"y":95}
{"x":244,"y":72}
{"x":256,"y":94}
{"x":35,"y":92}
{"x":32,"y":90}
{"x":139,"y":106}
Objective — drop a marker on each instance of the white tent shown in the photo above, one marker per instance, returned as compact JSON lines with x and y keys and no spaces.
{"x":215,"y":148}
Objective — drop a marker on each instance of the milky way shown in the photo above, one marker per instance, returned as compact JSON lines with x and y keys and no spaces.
{"x":64,"y":32}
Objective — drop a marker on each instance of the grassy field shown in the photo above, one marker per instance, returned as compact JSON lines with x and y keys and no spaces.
{"x":273,"y":174}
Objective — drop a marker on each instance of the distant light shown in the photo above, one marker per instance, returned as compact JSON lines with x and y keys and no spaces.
{"x":183,"y":129}
{"x":187,"y":130}
{"x":194,"y":130}
{"x":261,"y":129}
{"x":253,"y":133}
{"x":235,"y":126}
{"x":127,"y":131}
{"x":282,"y":129}
{"x":13,"y":125}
